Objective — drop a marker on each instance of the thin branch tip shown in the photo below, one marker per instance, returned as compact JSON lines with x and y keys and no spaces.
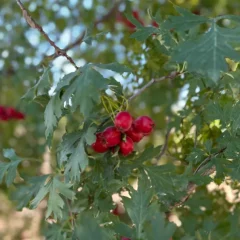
{"x":32,"y":23}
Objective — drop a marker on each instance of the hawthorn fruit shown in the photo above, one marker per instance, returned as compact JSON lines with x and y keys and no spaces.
{"x":118,"y":210}
{"x":127,"y":146}
{"x":112,"y":136}
{"x":125,"y":125}
{"x":99,"y":145}
{"x":123,"y":121}
{"x":134,"y":134}
{"x":9,"y":113}
{"x":144,"y":124}
{"x":155,"y":24}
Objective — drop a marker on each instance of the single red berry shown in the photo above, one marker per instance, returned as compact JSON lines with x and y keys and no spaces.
{"x":155,"y":24}
{"x":3,"y":114}
{"x":125,"y":238}
{"x":144,"y":124}
{"x":18,"y":115}
{"x":134,"y":134}
{"x":112,"y":136}
{"x":99,"y":145}
{"x":123,"y":121}
{"x":127,"y":146}
{"x":10,"y":112}
{"x":118,"y":210}
{"x":196,"y":12}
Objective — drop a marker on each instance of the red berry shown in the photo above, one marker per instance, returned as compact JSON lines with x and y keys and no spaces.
{"x":126,"y":147}
{"x":99,"y":145}
{"x":7,"y":113}
{"x":112,"y":136}
{"x":118,"y":210}
{"x":18,"y":115}
{"x":196,"y":12}
{"x":3,"y":114}
{"x":155,"y":24}
{"x":123,"y":121}
{"x":134,"y":134}
{"x":125,"y":238}
{"x":10,"y":112}
{"x":144,"y":124}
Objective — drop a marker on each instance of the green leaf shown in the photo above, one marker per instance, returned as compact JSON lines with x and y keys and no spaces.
{"x":115,"y":67}
{"x":158,"y":228}
{"x":52,"y":114}
{"x":89,"y":37}
{"x":148,"y":154}
{"x":43,"y":85}
{"x":195,"y":156}
{"x":200,"y":180}
{"x":55,"y":232}
{"x":87,"y":228}
{"x":78,"y":160}
{"x":53,"y":188}
{"x":84,"y":90}
{"x":137,"y":206}
{"x":41,"y":88}
{"x":24,"y":193}
{"x":157,"y":17}
{"x":234,"y":219}
{"x":235,"y":116}
{"x":90,"y":135}
{"x":228,"y":114}
{"x":207,"y":53}
{"x":144,"y":32}
{"x":66,"y":80}
{"x":186,"y":21}
{"x":161,"y":178}
{"x":67,"y":146}
{"x":123,"y":229}
{"x":132,"y":19}
{"x":9,"y":169}
{"x":213,"y":111}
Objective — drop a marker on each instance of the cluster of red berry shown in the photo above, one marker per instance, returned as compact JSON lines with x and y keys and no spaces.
{"x":125,"y":132}
{"x":9,"y":113}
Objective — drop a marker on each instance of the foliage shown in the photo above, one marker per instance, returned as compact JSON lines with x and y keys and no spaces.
{"x":178,"y":67}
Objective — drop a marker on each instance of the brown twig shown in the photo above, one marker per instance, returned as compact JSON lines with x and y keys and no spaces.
{"x":208,"y":159}
{"x":165,"y":145}
{"x":192,"y":186}
{"x":33,"y":24}
{"x":79,"y":40}
{"x":70,"y":213}
{"x":172,"y":75}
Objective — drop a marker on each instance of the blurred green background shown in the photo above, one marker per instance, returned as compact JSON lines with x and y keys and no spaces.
{"x":23,"y":53}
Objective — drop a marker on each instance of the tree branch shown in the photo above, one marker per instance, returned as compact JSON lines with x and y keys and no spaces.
{"x":79,"y":40}
{"x":208,"y":159}
{"x":165,"y":146}
{"x":33,"y":24}
{"x":172,"y":75}
{"x":192,"y":186}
